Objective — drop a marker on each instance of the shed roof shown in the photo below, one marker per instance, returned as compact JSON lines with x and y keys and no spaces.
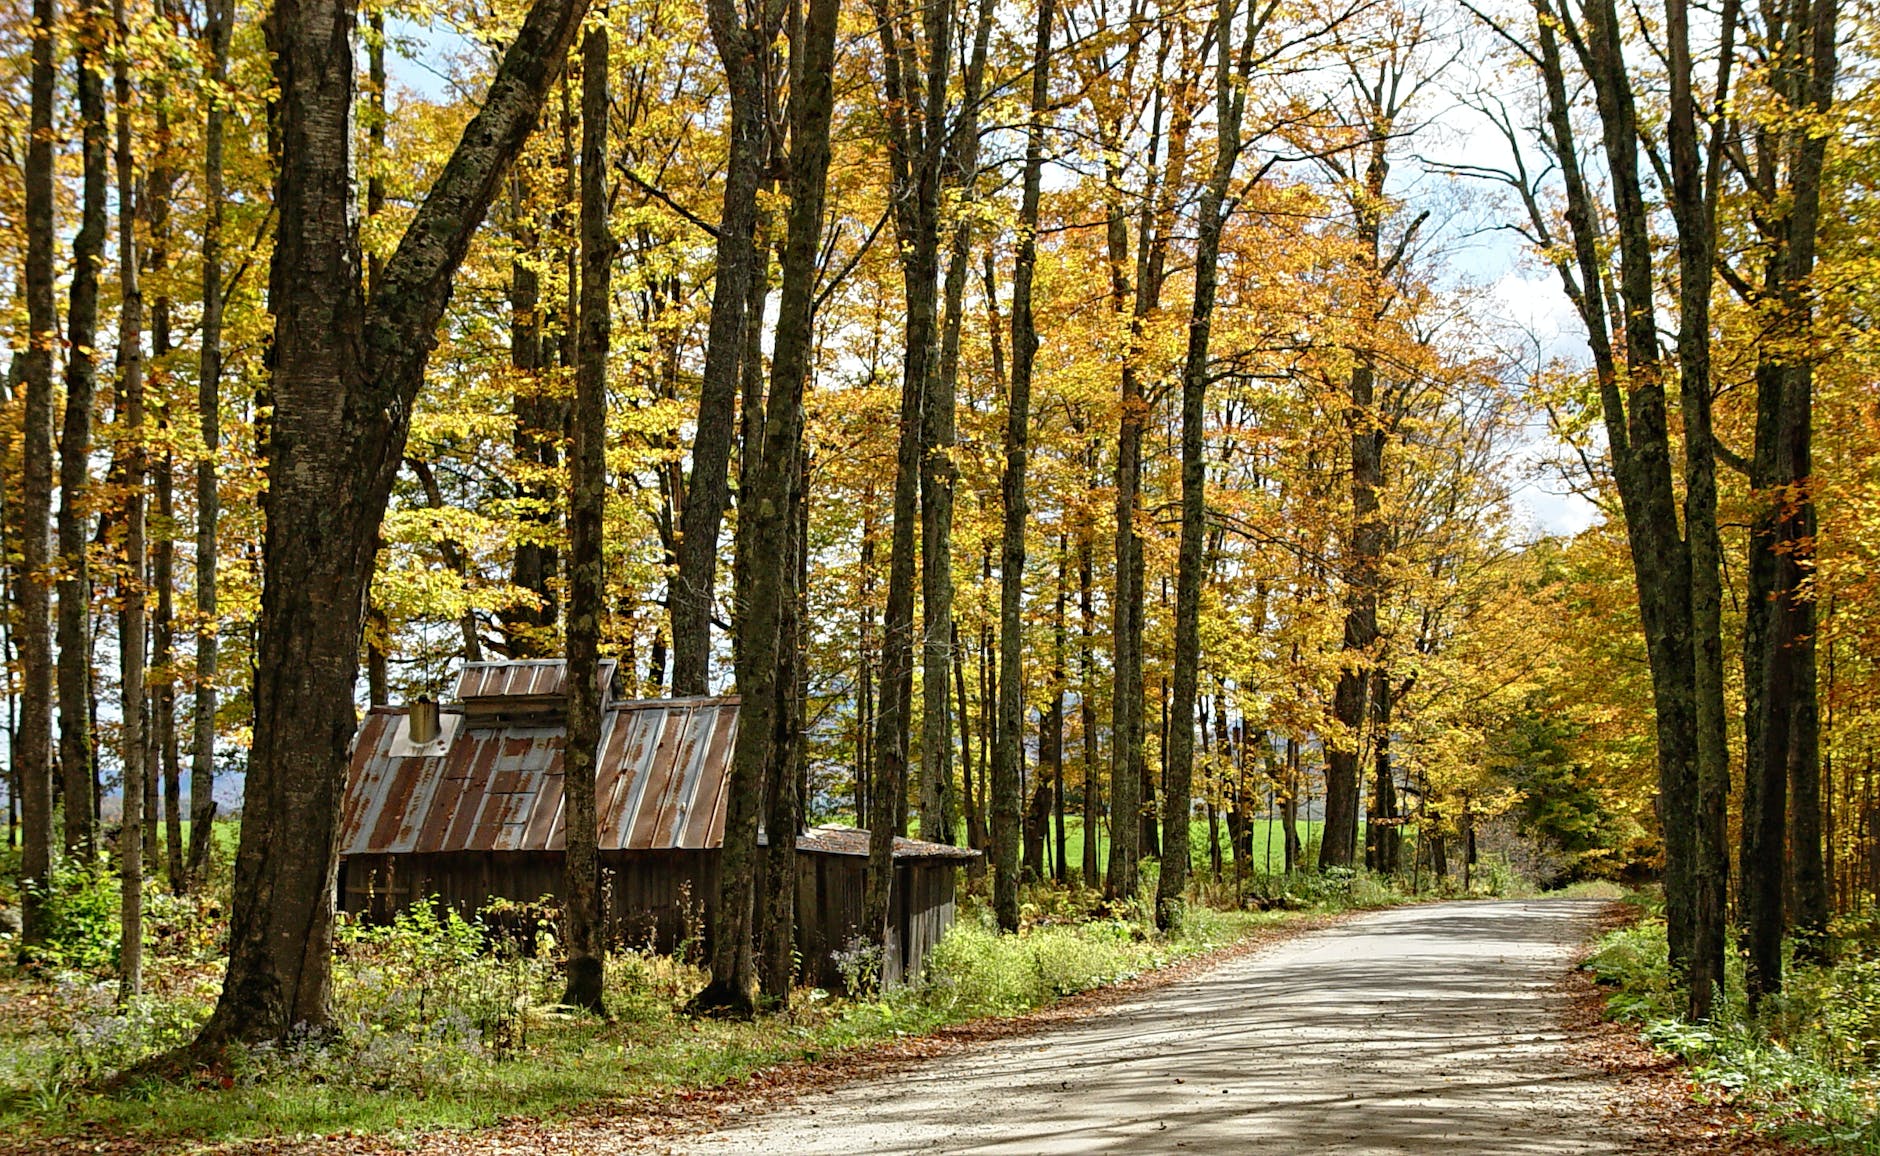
{"x":664,"y":770}
{"x":852,"y":841}
{"x":661,"y":782}
{"x":520,"y":678}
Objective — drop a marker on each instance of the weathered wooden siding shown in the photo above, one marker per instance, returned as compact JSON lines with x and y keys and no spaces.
{"x":662,"y":899}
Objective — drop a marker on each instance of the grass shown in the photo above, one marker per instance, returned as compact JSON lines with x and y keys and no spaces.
{"x":1806,"y":1067}
{"x":1269,"y":843}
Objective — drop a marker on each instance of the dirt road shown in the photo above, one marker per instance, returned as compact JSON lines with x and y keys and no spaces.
{"x":1422,"y":1030}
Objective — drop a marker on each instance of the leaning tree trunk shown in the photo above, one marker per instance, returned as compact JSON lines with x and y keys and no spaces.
{"x":32,"y":758}
{"x":345,"y":376}
{"x":743,"y":49}
{"x":586,"y":582}
{"x":81,"y":384}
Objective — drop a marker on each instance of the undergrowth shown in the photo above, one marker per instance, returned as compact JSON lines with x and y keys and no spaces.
{"x":1804,"y":1066}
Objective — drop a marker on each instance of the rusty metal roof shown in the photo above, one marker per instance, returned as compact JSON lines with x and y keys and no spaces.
{"x":520,"y":678}
{"x":852,"y":841}
{"x":661,"y":781}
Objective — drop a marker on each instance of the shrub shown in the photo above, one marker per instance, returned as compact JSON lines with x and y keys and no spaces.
{"x":1805,"y":1066}
{"x":79,"y":904}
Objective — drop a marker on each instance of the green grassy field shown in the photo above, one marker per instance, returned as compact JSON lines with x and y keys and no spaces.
{"x":1269,"y":844}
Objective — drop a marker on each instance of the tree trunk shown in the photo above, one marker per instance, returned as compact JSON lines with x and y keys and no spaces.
{"x":916,"y":106}
{"x":220,"y":15}
{"x":32,"y":759}
{"x":156,"y":210}
{"x":1339,"y":844}
{"x":757,"y":758}
{"x":345,"y":376}
{"x":1178,"y":782}
{"x":1675,"y":605}
{"x":743,"y":50}
{"x":1087,"y":704}
{"x":130,"y":366}
{"x":1008,"y":759}
{"x":938,"y":473}
{"x":586,"y":552}
{"x":81,"y":383}
{"x":1383,"y":836}
{"x":975,"y":830}
{"x":1780,"y":725}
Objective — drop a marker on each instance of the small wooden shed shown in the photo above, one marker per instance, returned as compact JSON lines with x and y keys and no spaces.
{"x":469,"y":807}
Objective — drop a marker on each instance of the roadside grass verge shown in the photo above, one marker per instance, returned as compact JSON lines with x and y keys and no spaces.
{"x":1807,"y":1067}
{"x":442,"y":1024}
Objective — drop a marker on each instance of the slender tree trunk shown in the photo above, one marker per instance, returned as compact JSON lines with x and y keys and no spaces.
{"x":209,"y":415}
{"x":974,"y":830}
{"x":586,"y":552}
{"x":81,"y":383}
{"x":916,"y":112}
{"x":1087,"y":704}
{"x":1384,"y":842}
{"x":32,"y":758}
{"x":1230,"y":99}
{"x":1694,"y":198}
{"x":938,"y":473}
{"x":1008,"y":759}
{"x":131,"y":639}
{"x":345,"y":376}
{"x":156,"y":208}
{"x":1055,"y":714}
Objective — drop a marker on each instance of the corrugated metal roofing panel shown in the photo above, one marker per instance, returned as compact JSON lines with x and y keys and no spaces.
{"x":660,"y":785}
{"x":851,"y":841}
{"x":520,"y":678}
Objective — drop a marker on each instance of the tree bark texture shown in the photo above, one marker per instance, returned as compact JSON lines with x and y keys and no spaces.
{"x":586,"y":572}
{"x":1008,"y":758}
{"x":939,"y":473}
{"x":758,"y":758}
{"x":743,"y":48}
{"x":32,"y":758}
{"x":81,"y":385}
{"x":916,"y":118}
{"x":345,"y":375}
{"x":1178,"y":781}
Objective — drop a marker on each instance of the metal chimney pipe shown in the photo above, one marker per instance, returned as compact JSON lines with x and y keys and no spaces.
{"x":423,"y":730}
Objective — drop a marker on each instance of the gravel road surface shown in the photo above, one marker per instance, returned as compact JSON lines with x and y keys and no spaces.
{"x":1432,"y":1029}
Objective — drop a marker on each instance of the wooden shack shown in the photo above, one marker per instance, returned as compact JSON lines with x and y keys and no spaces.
{"x":467,"y":807}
